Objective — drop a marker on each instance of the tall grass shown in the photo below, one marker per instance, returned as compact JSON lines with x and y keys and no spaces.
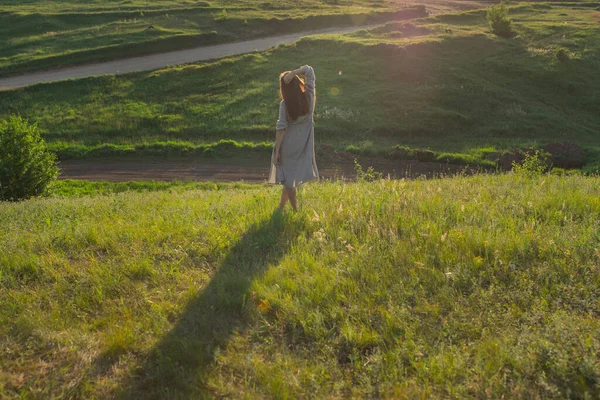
{"x":469,"y":287}
{"x":80,"y":188}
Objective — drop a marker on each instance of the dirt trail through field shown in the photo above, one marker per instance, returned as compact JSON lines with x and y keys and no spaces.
{"x":161,"y":60}
{"x":203,"y":53}
{"x":237,"y":170}
{"x":221,"y":170}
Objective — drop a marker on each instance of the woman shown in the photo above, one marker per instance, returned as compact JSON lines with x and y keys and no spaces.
{"x":293,"y":161}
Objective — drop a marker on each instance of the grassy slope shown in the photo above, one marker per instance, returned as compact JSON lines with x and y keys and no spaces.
{"x":477,"y":287}
{"x":43,"y":34}
{"x":465,"y":91}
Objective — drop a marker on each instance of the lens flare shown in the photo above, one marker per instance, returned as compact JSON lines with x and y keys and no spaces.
{"x":334,"y":91}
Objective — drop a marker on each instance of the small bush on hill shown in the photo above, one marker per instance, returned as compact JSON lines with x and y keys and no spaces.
{"x":26,"y":166}
{"x":534,"y":164}
{"x":498,"y":19}
{"x":369,"y":175}
{"x":424,"y":155}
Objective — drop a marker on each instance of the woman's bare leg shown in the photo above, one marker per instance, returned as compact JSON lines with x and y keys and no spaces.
{"x":292,"y":197}
{"x":284,"y":198}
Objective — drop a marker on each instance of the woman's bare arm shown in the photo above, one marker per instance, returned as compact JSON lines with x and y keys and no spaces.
{"x":290,"y":75}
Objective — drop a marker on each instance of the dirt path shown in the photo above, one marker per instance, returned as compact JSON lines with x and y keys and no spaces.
{"x":230,"y":170}
{"x":220,"y":170}
{"x":161,"y":60}
{"x":204,"y":53}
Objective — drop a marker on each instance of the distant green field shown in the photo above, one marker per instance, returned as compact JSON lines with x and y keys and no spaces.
{"x":479,"y":287}
{"x":44,"y":34}
{"x":443,"y":83}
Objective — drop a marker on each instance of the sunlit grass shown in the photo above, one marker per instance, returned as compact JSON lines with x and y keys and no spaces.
{"x":79,"y":188}
{"x":450,"y":288}
{"x":443,"y":83}
{"x":42,"y":34}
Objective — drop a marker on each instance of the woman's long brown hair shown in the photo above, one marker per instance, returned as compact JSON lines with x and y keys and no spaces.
{"x":295,"y":97}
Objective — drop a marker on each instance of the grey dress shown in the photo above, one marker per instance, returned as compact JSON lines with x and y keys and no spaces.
{"x":297,"y":163}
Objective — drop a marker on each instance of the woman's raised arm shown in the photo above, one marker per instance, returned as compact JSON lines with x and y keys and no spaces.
{"x":309,"y":77}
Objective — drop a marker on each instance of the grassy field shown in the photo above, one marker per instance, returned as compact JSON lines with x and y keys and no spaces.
{"x":443,"y":83}
{"x":43,"y":34}
{"x":79,"y":188}
{"x":467,"y":287}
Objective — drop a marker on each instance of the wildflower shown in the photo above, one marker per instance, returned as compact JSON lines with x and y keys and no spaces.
{"x":316,"y":217}
{"x":320,"y":235}
{"x":263,"y":305}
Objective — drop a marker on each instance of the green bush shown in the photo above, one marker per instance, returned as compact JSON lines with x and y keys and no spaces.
{"x":457,"y":158}
{"x":534,"y":164}
{"x":26,"y":166}
{"x":500,"y":24}
{"x":369,"y":175}
{"x":424,"y":155}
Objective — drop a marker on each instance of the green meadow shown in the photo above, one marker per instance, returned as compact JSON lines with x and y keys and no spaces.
{"x":457,"y":287}
{"x":464,"y":287}
{"x":443,"y":83}
{"x":42,"y":34}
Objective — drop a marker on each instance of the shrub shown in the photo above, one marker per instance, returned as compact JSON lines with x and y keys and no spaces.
{"x":26,"y":166}
{"x":534,"y":164}
{"x":400,"y":153}
{"x":456,"y":158}
{"x":369,"y":175}
{"x":424,"y":155}
{"x":500,"y":24}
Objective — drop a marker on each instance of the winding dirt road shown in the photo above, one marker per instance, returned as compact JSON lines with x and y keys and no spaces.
{"x":219,"y":170}
{"x":204,"y":53}
{"x":161,"y":60}
{"x":250,"y":170}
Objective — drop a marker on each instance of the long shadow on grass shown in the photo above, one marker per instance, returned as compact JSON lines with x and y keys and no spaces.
{"x":178,"y":365}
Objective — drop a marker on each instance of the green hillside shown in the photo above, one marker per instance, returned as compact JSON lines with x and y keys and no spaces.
{"x":43,"y":34}
{"x":444,"y":83}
